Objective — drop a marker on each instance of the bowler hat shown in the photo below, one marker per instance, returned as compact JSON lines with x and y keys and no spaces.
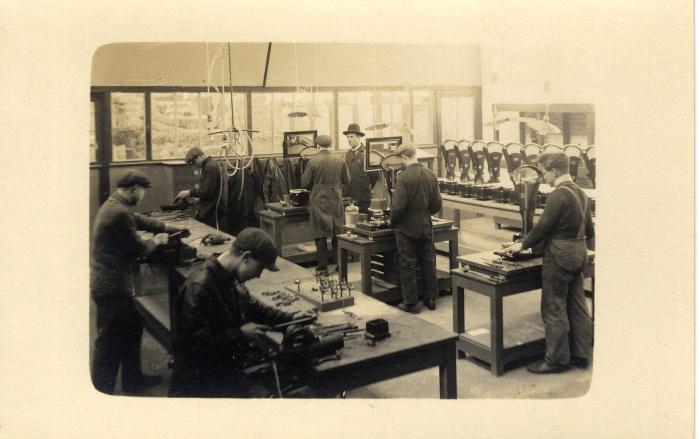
{"x":260,"y":246}
{"x":354,"y":128}
{"x":134,"y":178}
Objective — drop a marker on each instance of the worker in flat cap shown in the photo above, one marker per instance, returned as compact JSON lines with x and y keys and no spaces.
{"x":361,"y":181}
{"x":217,"y":319}
{"x":566,"y":230}
{"x":115,"y":249}
{"x":209,"y":190}
{"x":325,"y":175}
{"x":416,"y":197}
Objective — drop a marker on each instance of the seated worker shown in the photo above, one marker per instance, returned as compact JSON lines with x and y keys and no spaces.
{"x":416,"y":198}
{"x":114,"y":251}
{"x":217,"y":319}
{"x":325,"y":175}
{"x":209,"y":188}
{"x":566,"y":229}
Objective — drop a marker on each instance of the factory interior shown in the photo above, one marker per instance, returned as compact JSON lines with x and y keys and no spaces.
{"x":151,"y":104}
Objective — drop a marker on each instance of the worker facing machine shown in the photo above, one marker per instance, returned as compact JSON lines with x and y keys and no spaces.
{"x":115,"y":249}
{"x":209,"y":191}
{"x":416,"y":197}
{"x":566,"y":230}
{"x":325,"y":174}
{"x":217,"y":319}
{"x":361,"y":181}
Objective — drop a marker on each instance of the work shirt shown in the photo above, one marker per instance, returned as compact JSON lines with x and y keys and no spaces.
{"x":325,"y":175}
{"x":561,"y":217}
{"x":209,"y":188}
{"x":115,"y":241}
{"x":361,"y":181}
{"x":210,"y":314}
{"x":416,"y":198}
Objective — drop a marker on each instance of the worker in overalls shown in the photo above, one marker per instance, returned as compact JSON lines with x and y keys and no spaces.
{"x":325,"y":175}
{"x":416,"y":198}
{"x":566,"y":231}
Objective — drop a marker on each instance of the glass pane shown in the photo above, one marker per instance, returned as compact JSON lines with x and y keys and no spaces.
{"x":557,"y":120}
{"x":423,"y":117}
{"x":355,"y":107}
{"x":457,"y":117}
{"x":180,"y":121}
{"x":321,"y":110}
{"x":508,"y":130}
{"x":578,"y":129}
{"x":128,"y":126}
{"x":215,"y":115}
{"x":262,"y":121}
{"x":93,"y":136}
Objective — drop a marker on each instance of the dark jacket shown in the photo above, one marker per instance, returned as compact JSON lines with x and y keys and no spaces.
{"x":116,"y":246}
{"x":416,"y":198}
{"x":209,"y":316}
{"x":209,"y":189}
{"x":561,"y":218}
{"x":274,"y":184}
{"x":325,"y":174}
{"x":361,"y":181}
{"x":243,"y":193}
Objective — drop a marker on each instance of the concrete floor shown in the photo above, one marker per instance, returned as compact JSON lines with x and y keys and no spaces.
{"x":474,"y":379}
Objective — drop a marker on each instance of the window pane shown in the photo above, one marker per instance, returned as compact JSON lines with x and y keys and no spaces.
{"x":93,"y":136}
{"x":423,"y":117}
{"x":508,"y":130}
{"x":557,"y":120}
{"x":457,"y":118}
{"x":128,"y":126}
{"x":182,"y":120}
{"x":354,"y":107}
{"x":262,"y":121}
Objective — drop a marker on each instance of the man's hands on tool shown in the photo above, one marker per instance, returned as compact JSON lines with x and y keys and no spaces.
{"x":304,"y":314}
{"x":161,"y":238}
{"x":182,"y":232}
{"x":516,"y":247}
{"x":253,"y":330}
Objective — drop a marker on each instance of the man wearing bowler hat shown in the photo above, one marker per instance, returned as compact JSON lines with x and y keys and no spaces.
{"x":361,"y":181}
{"x":325,"y":175}
{"x":217,"y":319}
{"x":115,"y":248}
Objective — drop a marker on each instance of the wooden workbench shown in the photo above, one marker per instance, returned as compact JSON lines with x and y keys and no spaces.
{"x":488,"y":345}
{"x":414,"y":344}
{"x":290,"y":230}
{"x":366,"y":246}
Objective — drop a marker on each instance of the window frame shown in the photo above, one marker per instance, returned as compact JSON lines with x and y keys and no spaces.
{"x":436,"y":91}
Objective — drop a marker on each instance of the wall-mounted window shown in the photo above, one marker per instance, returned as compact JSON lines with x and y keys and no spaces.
{"x":93,"y":133}
{"x":271,"y":117}
{"x":423,"y":117}
{"x":180,"y":121}
{"x":457,"y":117}
{"x":128,"y":126}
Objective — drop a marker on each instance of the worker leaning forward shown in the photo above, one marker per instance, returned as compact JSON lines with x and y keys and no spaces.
{"x":209,"y":190}
{"x":361,"y":181}
{"x":325,"y":175}
{"x":115,"y":248}
{"x":416,"y":197}
{"x":566,"y":230}
{"x":217,"y":319}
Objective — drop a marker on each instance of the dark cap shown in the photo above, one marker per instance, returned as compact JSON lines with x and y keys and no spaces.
{"x":134,"y":178}
{"x":406,"y":149}
{"x":354,"y":128}
{"x":192,"y":154}
{"x":324,"y":141}
{"x":260,"y":246}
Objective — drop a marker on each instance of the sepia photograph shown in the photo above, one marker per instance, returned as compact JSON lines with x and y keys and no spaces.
{"x":285,"y":219}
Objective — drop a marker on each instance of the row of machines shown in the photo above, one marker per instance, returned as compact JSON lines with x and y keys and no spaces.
{"x":476,"y":156}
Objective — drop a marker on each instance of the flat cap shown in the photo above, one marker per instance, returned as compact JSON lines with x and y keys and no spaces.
{"x":406,"y":149}
{"x":324,"y":140}
{"x":260,"y":246}
{"x":192,"y":154}
{"x":134,"y":178}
